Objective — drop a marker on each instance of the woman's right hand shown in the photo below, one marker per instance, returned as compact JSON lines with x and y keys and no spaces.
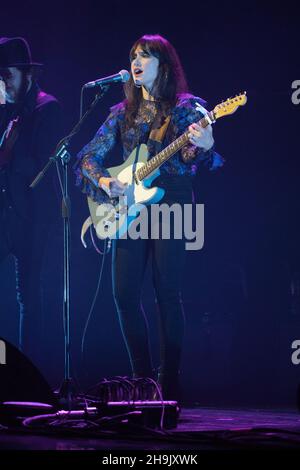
{"x":112,"y":186}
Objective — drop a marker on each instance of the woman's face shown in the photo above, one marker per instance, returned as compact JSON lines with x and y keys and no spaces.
{"x":144,"y":68}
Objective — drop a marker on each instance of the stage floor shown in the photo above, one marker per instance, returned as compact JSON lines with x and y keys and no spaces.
{"x":198,"y":429}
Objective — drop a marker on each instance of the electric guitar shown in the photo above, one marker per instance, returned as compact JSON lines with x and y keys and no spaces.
{"x":112,"y":220}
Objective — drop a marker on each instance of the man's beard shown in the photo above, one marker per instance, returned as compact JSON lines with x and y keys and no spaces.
{"x":20,"y":95}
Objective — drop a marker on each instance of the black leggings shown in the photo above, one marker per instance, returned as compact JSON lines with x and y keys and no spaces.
{"x":129,"y":261}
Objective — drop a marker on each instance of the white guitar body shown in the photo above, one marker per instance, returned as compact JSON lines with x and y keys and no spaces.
{"x":112,"y":220}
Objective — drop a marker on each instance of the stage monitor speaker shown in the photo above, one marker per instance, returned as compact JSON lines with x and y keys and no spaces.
{"x":20,"y":380}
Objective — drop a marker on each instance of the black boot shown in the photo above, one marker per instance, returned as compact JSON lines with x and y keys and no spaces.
{"x":170,"y":391}
{"x":170,"y":386}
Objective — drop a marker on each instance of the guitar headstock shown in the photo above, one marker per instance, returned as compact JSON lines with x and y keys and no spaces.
{"x":230,"y":105}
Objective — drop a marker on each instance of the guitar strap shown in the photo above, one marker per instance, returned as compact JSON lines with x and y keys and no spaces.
{"x":157,"y":134}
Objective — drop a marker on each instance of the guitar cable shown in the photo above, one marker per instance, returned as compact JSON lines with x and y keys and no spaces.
{"x":105,"y":251}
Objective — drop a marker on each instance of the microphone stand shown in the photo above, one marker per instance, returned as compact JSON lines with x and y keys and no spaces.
{"x":67,"y":389}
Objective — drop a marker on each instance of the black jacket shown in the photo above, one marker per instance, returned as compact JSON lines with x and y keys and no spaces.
{"x":38,"y":135}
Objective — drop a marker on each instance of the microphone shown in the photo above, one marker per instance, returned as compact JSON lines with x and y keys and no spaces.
{"x":122,"y":76}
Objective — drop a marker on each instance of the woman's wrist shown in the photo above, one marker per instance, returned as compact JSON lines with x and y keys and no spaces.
{"x":104,"y":181}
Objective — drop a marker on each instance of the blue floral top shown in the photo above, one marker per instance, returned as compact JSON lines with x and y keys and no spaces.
{"x":92,"y":159}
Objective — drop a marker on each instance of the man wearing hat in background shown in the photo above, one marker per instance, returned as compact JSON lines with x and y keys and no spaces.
{"x":30,"y":128}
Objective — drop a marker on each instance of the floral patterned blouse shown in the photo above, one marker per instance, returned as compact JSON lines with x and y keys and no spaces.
{"x":93,"y":159}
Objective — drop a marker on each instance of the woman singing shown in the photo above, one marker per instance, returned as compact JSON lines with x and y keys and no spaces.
{"x":156,"y":90}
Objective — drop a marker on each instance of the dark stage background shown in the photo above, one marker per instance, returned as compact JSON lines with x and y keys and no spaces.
{"x":242,"y":314}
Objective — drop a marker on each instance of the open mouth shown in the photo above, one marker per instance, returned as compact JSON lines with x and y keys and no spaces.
{"x":138,"y":72}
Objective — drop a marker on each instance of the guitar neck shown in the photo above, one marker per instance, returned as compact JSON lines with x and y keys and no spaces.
{"x":156,"y":161}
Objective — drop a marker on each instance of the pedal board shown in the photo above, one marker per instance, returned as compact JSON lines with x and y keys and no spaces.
{"x":149,"y":413}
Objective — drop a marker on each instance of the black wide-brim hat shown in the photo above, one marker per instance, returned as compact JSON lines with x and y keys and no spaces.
{"x":15,"y":52}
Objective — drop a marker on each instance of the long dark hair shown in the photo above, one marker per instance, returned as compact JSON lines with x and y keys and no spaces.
{"x":169,"y":83}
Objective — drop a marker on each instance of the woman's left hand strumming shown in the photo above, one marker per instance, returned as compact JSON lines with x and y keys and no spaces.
{"x":201,"y":136}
